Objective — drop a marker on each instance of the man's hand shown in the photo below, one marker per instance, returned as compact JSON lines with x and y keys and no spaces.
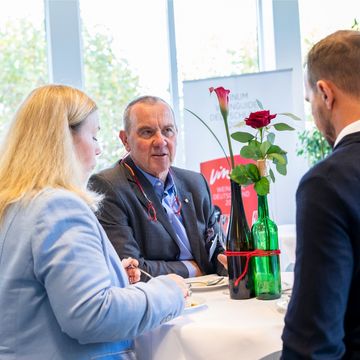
{"x":222,"y":259}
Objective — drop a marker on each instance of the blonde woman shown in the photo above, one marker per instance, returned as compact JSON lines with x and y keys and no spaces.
{"x":64,"y":293}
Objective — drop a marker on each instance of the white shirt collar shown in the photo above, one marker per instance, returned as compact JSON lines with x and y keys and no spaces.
{"x":349,"y":129}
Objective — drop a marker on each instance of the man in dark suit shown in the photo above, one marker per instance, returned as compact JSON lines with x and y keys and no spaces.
{"x":158,"y":214}
{"x":323,"y":317}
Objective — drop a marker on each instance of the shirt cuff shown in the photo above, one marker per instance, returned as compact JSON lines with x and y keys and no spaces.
{"x":191,"y":268}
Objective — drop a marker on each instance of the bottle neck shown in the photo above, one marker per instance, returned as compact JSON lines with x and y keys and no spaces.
{"x":237,"y":206}
{"x":263,"y":210}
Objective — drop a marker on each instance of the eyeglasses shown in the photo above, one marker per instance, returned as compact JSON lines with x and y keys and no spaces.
{"x":175,"y":206}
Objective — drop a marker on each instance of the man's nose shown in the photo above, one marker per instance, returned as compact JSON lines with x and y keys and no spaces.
{"x":160,"y":139}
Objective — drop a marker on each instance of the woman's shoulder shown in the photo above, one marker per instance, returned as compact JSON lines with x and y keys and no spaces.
{"x":56,"y":194}
{"x":50,"y":199}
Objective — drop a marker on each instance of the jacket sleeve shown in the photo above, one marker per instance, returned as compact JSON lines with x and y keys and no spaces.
{"x":70,"y":262}
{"x":115,"y":219}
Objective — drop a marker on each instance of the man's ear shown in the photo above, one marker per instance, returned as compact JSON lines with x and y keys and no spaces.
{"x":124,"y":139}
{"x":326,"y":92}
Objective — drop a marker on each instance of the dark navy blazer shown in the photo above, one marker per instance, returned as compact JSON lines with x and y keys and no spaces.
{"x":124,"y":216}
{"x":323,"y":317}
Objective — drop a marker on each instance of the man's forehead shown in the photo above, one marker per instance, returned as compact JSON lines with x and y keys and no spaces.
{"x":144,"y":112}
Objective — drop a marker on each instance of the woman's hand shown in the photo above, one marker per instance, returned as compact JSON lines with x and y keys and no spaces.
{"x":185,"y":288}
{"x":131,"y":267}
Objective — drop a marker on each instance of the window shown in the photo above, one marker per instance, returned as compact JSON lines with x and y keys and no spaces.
{"x":322,"y":17}
{"x":314,"y":27}
{"x":215,"y":38}
{"x":22,"y":54}
{"x":125,"y":55}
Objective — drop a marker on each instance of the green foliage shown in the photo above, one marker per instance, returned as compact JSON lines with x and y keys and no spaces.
{"x":262,"y":187}
{"x":258,"y":148}
{"x":283,"y":127}
{"x":355,"y":25}
{"x":23,"y":65}
{"x":313,"y":146}
{"x":108,"y":79}
{"x":112,"y":84}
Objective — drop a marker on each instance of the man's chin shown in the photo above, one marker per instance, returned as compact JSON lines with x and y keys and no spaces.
{"x":160,"y":172}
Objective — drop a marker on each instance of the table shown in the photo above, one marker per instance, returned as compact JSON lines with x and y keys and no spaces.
{"x":222,"y":329}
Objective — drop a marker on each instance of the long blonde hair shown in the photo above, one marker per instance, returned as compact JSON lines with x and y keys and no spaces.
{"x":38,"y":151}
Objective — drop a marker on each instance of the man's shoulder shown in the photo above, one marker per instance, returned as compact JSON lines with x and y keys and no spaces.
{"x":112,"y":173}
{"x":185,"y":173}
{"x":109,"y":179}
{"x":337,"y":169}
{"x":189,"y":180}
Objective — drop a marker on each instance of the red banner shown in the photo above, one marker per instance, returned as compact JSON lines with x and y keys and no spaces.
{"x":217,"y":173}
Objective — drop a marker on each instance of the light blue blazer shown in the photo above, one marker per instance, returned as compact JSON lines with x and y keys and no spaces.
{"x":63,"y":291}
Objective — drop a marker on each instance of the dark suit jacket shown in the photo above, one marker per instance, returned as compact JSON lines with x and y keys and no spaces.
{"x":323,"y":317}
{"x":125,"y":218}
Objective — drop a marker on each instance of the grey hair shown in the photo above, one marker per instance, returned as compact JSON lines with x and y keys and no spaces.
{"x":146,"y":99}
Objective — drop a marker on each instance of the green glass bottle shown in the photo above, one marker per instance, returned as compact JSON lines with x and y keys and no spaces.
{"x":266,"y":269}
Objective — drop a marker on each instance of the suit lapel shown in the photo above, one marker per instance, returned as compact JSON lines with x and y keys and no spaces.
{"x":189,"y":217}
{"x":132,"y":181}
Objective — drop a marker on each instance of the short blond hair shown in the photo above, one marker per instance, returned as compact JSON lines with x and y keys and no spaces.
{"x":38,"y":151}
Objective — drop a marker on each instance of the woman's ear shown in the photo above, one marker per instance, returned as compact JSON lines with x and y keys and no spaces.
{"x":326,"y":92}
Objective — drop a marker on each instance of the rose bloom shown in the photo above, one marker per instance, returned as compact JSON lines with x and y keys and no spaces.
{"x":259,"y":119}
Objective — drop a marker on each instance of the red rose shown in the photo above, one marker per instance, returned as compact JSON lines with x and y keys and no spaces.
{"x":259,"y":119}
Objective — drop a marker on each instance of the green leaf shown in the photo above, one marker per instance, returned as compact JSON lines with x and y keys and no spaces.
{"x":255,"y":148}
{"x":290,"y":115}
{"x":240,"y":175}
{"x":264,"y":147}
{"x":253,"y":172}
{"x":242,"y":137}
{"x":239,"y":170}
{"x":281,"y":159}
{"x":271,"y":138}
{"x":262,"y":187}
{"x":282,"y":127}
{"x":247,"y":152}
{"x":272,"y":176}
{"x":255,"y":144}
{"x":281,"y":168}
{"x":241,"y":180}
{"x":274,"y":149}
{"x":259,"y":104}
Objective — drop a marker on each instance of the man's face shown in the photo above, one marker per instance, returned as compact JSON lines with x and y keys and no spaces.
{"x":321,"y":114}
{"x":151,"y":140}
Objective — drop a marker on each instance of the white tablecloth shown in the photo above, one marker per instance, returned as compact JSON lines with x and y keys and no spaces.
{"x":223,"y":329}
